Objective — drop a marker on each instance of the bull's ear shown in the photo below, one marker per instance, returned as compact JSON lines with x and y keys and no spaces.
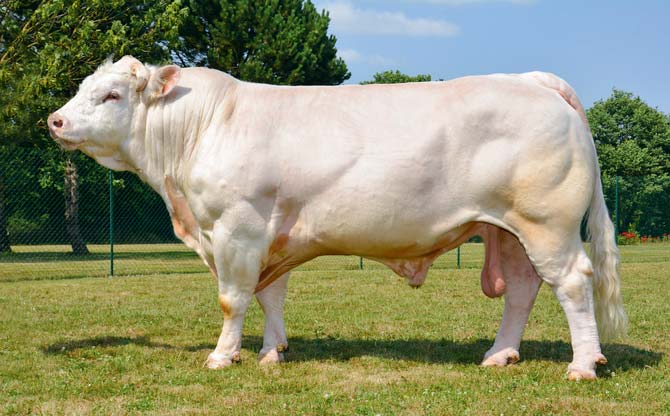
{"x":162,"y":81}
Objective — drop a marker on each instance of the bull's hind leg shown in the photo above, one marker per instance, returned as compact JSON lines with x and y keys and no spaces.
{"x":521,"y":286}
{"x":575,"y":293}
{"x":271,"y":300}
{"x":561,"y":261}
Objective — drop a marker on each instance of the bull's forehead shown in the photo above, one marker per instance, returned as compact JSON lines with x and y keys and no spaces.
{"x":104,"y":77}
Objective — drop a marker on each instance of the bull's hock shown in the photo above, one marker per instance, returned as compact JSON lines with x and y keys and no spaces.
{"x":259,"y":179}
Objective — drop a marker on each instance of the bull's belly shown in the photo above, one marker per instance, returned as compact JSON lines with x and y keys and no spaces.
{"x":411,"y":260}
{"x":404,"y":242}
{"x":413,"y":263}
{"x":389,"y":219}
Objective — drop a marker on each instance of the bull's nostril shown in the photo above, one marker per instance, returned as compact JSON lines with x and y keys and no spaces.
{"x":58,"y":123}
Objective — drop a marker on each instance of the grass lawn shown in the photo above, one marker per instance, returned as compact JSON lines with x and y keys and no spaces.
{"x":361,"y":342}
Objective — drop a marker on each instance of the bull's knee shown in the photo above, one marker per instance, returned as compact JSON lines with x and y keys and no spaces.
{"x":226,"y":306}
{"x":576,"y":286}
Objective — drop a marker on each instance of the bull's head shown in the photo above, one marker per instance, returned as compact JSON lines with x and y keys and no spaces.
{"x":102,"y":116}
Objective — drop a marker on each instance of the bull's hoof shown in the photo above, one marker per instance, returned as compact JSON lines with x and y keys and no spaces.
{"x":501,"y":358}
{"x":218,"y":361}
{"x":282,"y":347}
{"x":270,"y":357}
{"x":575,"y":373}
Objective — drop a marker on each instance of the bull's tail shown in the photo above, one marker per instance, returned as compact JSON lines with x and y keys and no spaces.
{"x":610,"y":314}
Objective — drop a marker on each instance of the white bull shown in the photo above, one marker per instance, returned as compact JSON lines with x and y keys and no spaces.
{"x":259,"y":179}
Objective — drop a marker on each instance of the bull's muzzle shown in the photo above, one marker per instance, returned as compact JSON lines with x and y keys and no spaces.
{"x":58,"y":128}
{"x":56,"y":124}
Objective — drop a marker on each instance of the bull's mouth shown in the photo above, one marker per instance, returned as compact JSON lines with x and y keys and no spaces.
{"x":67,"y":143}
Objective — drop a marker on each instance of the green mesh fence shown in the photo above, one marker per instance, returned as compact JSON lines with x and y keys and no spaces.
{"x":36,"y":202}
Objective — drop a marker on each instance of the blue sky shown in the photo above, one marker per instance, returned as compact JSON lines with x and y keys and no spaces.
{"x":594,"y":45}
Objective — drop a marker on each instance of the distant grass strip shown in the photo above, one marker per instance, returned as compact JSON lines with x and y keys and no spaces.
{"x":56,"y":261}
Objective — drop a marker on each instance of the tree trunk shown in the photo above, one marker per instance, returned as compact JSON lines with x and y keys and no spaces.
{"x":4,"y":238}
{"x":71,"y":191}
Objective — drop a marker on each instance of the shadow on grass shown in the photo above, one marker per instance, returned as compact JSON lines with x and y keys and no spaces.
{"x":621,"y":357}
{"x":102,"y":342}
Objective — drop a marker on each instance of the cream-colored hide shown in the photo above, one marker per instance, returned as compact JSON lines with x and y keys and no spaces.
{"x":259,"y":179}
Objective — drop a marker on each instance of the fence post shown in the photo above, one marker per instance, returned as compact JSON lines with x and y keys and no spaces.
{"x":360,"y":263}
{"x":458,"y":257}
{"x":616,"y":208}
{"x":111,"y":223}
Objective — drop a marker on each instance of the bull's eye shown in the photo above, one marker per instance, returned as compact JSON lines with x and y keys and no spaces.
{"x":113,"y":96}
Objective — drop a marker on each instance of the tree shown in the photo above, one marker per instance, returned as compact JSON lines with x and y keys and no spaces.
{"x":270,"y":41}
{"x":633,"y":143}
{"x":48,"y":47}
{"x":396,"y":77}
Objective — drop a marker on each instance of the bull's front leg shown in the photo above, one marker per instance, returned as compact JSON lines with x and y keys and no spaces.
{"x":271,"y":300}
{"x":238,"y":262}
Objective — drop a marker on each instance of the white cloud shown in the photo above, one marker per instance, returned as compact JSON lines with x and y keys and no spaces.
{"x":375,"y":60}
{"x":346,"y":18}
{"x":349,"y":55}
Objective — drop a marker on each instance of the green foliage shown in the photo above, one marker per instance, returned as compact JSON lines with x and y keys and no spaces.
{"x":396,"y":77}
{"x":48,"y":47}
{"x":270,"y":41}
{"x":633,"y":138}
{"x":633,"y":142}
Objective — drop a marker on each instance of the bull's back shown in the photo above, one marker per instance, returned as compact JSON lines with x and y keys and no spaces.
{"x":424,"y":137}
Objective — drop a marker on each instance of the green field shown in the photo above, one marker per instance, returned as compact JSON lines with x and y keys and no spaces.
{"x":361,"y":341}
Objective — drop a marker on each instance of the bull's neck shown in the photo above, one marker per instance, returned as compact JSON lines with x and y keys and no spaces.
{"x":164,"y":141}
